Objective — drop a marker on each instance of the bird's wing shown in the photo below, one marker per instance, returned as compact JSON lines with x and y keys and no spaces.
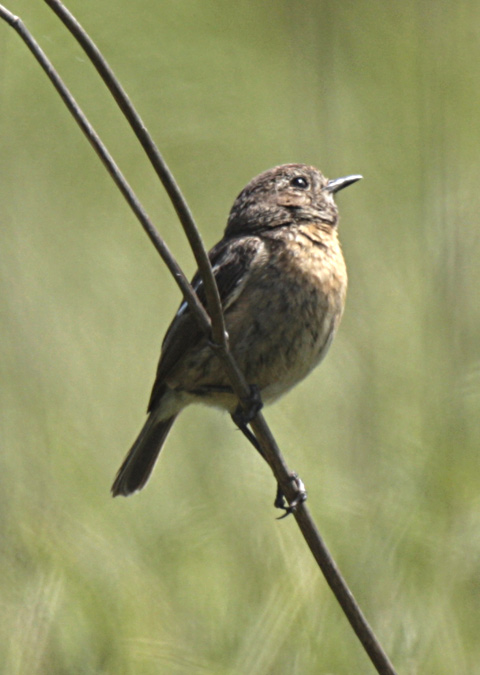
{"x":231,"y":261}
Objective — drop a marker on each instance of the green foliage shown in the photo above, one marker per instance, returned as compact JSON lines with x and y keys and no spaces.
{"x":194,"y":575}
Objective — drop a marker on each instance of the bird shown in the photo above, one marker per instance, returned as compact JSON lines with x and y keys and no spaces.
{"x":282,"y":281}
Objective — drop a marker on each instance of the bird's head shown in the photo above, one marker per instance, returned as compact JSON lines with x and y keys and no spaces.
{"x":286,"y":195}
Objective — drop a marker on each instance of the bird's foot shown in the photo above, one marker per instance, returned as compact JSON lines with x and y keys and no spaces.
{"x":300,"y":497}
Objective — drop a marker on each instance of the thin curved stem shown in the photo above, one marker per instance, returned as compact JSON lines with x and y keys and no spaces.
{"x":111,"y":167}
{"x":179,"y":203}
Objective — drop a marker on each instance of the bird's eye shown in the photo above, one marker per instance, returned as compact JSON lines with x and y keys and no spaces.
{"x":299,"y":182}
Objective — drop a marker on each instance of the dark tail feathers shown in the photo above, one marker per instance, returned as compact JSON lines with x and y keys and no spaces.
{"x":140,"y":460}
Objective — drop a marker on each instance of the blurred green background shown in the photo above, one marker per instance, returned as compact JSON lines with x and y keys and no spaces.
{"x":194,"y":575}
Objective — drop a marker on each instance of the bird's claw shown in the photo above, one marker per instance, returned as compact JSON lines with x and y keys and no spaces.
{"x":300,"y":497}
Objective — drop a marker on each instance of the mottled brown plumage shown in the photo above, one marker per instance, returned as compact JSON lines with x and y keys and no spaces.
{"x":282,"y":282}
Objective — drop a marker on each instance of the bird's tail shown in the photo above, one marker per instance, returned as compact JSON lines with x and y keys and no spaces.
{"x":140,"y":460}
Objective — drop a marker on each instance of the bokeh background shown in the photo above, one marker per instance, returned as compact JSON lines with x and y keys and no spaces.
{"x":194,"y":575}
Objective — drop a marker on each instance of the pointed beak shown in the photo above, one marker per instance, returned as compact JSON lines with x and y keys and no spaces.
{"x":340,"y":183}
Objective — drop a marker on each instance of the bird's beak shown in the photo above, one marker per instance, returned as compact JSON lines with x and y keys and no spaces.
{"x":340,"y":183}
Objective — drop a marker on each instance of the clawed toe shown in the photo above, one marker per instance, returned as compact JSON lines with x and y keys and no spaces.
{"x":300,"y":497}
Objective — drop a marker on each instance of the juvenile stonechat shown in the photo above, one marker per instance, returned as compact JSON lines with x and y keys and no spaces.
{"x":282,"y":281}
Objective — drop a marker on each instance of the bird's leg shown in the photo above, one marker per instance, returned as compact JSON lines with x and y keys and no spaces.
{"x":242,"y":418}
{"x":279,"y":502}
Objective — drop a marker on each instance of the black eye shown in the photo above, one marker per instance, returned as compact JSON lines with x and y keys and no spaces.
{"x":299,"y":182}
